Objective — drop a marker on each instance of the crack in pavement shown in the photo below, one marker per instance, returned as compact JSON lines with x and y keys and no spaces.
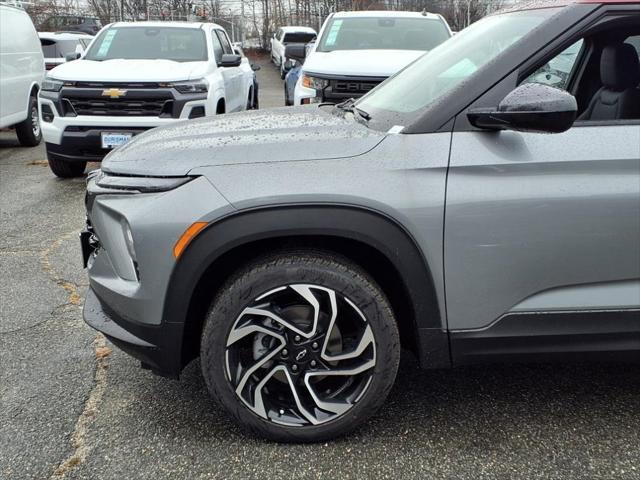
{"x":54,"y":312}
{"x":70,"y":287}
{"x":79,"y":436}
{"x":91,"y":406}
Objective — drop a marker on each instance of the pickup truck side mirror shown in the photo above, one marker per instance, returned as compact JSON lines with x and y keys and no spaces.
{"x":532,"y":107}
{"x":230,"y":60}
{"x":70,"y":57}
{"x":296,"y":52}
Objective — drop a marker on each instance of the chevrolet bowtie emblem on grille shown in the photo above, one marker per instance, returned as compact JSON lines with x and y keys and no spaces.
{"x":114,"y":93}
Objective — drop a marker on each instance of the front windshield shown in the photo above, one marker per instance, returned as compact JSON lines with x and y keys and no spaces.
{"x":378,"y":33}
{"x":150,"y":43}
{"x":435,"y":73}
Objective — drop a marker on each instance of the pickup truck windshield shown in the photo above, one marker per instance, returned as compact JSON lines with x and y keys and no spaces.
{"x":405,"y":95}
{"x":150,"y":43}
{"x":383,"y":33}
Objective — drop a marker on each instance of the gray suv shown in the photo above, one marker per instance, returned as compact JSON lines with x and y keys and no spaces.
{"x":295,"y":251}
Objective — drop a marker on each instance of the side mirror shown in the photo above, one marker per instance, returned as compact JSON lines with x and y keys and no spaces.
{"x":230,"y":60}
{"x":70,"y":57}
{"x":296,"y":52}
{"x":532,"y":107}
{"x":255,"y":67}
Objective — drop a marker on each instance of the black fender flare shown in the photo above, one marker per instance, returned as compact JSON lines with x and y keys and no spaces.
{"x":370,"y":227}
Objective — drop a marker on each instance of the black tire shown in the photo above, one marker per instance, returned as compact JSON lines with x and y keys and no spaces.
{"x":283,"y":72}
{"x":326,"y":271}
{"x":29,"y":131}
{"x":64,"y":169}
{"x":287,"y":102}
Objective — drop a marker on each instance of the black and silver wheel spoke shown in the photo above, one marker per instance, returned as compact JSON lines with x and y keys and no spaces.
{"x":300,"y":355}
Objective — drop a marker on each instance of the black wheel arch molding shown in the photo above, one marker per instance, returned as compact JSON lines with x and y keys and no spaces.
{"x":374,"y":237}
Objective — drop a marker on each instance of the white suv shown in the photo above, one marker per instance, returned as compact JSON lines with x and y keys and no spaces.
{"x":356,"y":51}
{"x":21,"y":74}
{"x":136,"y":76}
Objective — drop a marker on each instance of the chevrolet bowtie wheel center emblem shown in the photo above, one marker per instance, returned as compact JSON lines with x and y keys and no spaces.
{"x":114,"y":93}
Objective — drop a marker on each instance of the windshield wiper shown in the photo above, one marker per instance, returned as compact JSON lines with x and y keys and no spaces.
{"x":349,"y":106}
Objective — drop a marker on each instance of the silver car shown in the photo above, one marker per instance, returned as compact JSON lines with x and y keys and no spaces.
{"x":463,"y":210}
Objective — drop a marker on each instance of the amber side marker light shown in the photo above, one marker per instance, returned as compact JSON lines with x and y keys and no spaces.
{"x":188,"y":235}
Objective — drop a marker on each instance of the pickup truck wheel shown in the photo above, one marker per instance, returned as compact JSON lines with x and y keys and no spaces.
{"x":283,"y":72}
{"x":300,"y":346}
{"x":287,"y":101}
{"x":28,"y":131}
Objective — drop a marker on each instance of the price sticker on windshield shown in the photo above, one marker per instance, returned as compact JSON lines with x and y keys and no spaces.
{"x":106,"y":42}
{"x":333,"y":32}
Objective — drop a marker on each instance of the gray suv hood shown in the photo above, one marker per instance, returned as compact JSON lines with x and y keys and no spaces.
{"x":282,"y":134}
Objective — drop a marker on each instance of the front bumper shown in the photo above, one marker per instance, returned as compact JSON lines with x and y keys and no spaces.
{"x":84,"y":143}
{"x":147,"y":343}
{"x":126,"y":300}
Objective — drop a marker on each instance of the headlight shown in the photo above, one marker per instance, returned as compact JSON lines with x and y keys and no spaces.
{"x":194,"y":86}
{"x":314,"y":82}
{"x":52,"y":85}
{"x":139,"y":184}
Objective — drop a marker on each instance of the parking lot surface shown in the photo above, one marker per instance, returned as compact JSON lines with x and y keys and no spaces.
{"x":72,"y":406}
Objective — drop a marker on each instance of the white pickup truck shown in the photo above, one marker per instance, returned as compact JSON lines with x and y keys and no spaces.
{"x":286,"y":36}
{"x":356,"y":51}
{"x":136,"y":76}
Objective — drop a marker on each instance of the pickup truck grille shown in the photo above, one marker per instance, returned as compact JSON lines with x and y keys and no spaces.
{"x":342,"y":88}
{"x":134,"y":107}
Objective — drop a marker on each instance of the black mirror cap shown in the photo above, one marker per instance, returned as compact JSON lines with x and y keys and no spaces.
{"x":230,"y":60}
{"x":70,"y":57}
{"x":296,"y":52}
{"x":532,"y":107}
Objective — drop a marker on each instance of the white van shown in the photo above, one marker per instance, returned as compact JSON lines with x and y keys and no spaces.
{"x":21,"y":74}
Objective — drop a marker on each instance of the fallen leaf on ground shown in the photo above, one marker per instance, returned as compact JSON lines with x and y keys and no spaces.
{"x":102,"y":352}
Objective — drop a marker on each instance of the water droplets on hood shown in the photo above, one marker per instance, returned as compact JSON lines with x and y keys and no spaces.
{"x":283,"y":134}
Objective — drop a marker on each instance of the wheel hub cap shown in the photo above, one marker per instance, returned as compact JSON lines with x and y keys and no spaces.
{"x":300,"y":355}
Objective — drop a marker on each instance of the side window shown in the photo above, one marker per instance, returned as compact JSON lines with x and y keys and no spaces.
{"x":217,"y":47}
{"x":635,"y":43}
{"x":557,"y":71}
{"x":226,"y":45}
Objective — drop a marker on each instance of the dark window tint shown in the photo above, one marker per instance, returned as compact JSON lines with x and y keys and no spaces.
{"x":299,"y":37}
{"x":217,"y":48}
{"x":148,"y":43}
{"x":226,"y":46}
{"x":58,"y":48}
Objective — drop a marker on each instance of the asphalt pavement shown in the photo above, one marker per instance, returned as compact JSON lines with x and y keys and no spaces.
{"x":73,"y":406}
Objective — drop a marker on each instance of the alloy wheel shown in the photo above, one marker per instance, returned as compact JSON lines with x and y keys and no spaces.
{"x":300,"y":355}
{"x":35,"y":121}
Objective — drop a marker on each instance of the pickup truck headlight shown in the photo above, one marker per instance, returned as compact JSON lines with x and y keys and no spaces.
{"x":52,"y":85}
{"x":314,"y":82}
{"x":194,"y":86}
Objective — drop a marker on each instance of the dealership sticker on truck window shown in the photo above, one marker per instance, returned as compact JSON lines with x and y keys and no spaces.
{"x":106,"y":43}
{"x":333,"y":33}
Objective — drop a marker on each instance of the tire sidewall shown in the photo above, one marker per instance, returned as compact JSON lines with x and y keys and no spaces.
{"x":357,"y":288}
